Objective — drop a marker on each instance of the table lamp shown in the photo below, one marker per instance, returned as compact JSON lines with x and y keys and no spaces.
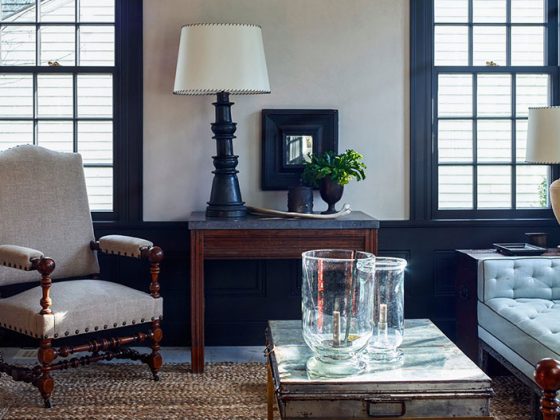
{"x":222,"y":59}
{"x":543,"y":145}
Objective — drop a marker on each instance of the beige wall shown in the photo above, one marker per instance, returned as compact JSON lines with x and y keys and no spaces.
{"x":351,"y":55}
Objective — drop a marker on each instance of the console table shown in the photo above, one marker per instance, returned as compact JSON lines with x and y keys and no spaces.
{"x":264,"y":238}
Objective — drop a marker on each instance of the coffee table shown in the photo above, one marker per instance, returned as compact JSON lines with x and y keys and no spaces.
{"x":433,"y":380}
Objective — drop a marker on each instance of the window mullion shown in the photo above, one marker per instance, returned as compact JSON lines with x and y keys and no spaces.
{"x":513,"y":141}
{"x":471,"y":49}
{"x":508,"y":33}
{"x":475,"y":139}
{"x":75,"y":112}
{"x":35,"y":109}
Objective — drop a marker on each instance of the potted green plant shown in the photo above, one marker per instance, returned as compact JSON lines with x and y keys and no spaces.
{"x":331,"y":172}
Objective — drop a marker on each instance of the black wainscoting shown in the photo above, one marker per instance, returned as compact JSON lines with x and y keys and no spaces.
{"x":242,"y":295}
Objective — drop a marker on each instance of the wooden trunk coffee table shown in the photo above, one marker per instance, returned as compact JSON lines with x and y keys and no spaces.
{"x":434,"y":380}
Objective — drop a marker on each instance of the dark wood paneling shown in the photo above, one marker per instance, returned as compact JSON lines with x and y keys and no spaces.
{"x":242,"y":295}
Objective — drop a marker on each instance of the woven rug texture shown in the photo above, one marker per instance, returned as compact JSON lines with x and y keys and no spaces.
{"x":224,"y":391}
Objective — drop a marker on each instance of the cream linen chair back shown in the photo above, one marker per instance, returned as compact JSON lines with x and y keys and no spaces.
{"x":44,"y":206}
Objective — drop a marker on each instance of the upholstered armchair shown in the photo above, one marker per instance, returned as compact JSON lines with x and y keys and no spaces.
{"x":46,"y":234}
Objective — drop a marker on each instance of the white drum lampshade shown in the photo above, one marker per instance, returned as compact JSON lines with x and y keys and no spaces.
{"x":223,"y":57}
{"x":543,"y":145}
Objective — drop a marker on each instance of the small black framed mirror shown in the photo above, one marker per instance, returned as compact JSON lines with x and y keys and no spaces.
{"x":289,"y":136}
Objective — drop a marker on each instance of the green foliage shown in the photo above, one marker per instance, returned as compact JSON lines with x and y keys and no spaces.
{"x":340,"y":168}
{"x":543,"y":193}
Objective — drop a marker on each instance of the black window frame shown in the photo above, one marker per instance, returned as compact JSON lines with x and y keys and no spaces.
{"x":127,"y":75}
{"x":424,"y":164}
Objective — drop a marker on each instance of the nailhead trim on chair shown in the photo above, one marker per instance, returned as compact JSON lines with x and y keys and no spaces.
{"x":124,"y":254}
{"x":21,"y":267}
{"x":68,"y":333}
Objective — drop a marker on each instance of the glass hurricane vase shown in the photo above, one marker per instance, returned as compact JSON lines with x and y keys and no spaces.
{"x":388,"y":311}
{"x":337,"y":308}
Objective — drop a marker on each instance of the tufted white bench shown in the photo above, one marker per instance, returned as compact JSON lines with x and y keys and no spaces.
{"x":519,"y":312}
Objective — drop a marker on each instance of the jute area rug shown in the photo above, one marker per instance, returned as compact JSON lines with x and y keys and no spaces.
{"x":225,"y":391}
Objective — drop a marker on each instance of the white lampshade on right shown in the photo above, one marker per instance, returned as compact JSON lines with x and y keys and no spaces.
{"x":543,"y":145}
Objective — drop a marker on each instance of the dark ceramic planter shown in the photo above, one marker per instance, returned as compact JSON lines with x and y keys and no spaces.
{"x":300,"y":199}
{"x":331,"y":193}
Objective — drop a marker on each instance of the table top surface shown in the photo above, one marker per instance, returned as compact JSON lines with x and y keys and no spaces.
{"x":354,"y":220}
{"x":431,"y":362}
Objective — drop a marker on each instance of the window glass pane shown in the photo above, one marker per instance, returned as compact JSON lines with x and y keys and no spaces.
{"x":489,"y":11}
{"x":494,"y":140}
{"x":527,"y":46}
{"x":17,"y":11}
{"x":95,"y":141}
{"x":16,"y":95}
{"x":494,"y":95}
{"x":527,"y":11}
{"x":455,"y":95}
{"x":532,"y":91}
{"x":97,"y":45}
{"x":17,"y":45}
{"x":56,"y":135}
{"x":15,"y":133}
{"x":489,"y":45}
{"x":95,"y":95}
{"x":451,"y":11}
{"x":451,"y":46}
{"x":54,"y":95}
{"x":58,"y":11}
{"x":58,"y":45}
{"x":521,"y":140}
{"x":494,"y":187}
{"x":455,"y":140}
{"x":99,"y":183}
{"x":455,"y":189}
{"x":97,"y":10}
{"x":532,"y":186}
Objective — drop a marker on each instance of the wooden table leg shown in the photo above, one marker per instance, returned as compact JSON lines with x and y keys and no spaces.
{"x":269,"y":393}
{"x":197,"y":301}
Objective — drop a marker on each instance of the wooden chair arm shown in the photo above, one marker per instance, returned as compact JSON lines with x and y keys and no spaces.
{"x":29,"y":259}
{"x":154,"y":254}
{"x":126,"y":246}
{"x":547,"y":376}
{"x":20,"y":257}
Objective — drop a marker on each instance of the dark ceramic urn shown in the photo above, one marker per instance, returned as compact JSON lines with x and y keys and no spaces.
{"x":331,"y":193}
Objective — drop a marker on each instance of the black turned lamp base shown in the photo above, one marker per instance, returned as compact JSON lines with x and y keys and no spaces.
{"x":225,"y":197}
{"x":226,"y":212}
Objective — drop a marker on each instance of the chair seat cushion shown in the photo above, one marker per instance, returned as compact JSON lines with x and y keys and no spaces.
{"x":530,"y":327}
{"x":79,"y":307}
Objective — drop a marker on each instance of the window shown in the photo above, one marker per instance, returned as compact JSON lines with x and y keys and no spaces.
{"x":57,"y":83}
{"x":490,"y":61}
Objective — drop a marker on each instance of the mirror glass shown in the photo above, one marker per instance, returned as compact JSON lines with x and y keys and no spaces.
{"x":298,"y":148}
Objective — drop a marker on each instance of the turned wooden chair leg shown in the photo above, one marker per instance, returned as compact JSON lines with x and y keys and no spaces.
{"x":45,"y":382}
{"x":156,"y":361}
{"x":547,"y":376}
